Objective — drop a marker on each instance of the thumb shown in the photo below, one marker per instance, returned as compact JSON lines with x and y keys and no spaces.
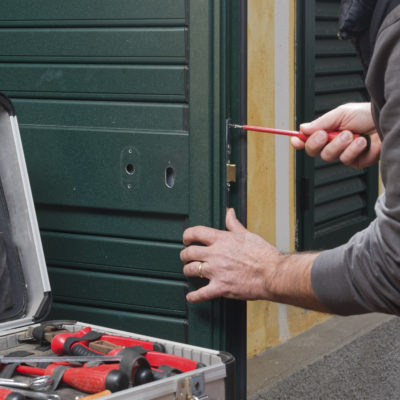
{"x":232,"y":223}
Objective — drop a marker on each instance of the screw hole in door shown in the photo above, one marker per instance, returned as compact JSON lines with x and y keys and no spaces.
{"x":169,"y":177}
{"x":130,"y":169}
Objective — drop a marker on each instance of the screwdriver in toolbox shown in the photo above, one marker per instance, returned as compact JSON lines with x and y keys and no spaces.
{"x":85,"y":379}
{"x":298,"y":134}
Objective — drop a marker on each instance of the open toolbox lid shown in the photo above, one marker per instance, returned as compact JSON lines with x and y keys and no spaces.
{"x":25,"y":295}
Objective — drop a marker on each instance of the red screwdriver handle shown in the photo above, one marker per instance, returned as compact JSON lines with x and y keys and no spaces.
{"x":92,"y":379}
{"x":95,"y":380}
{"x":8,"y":394}
{"x":331,"y":136}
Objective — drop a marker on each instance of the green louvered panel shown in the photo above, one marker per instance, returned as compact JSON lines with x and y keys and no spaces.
{"x":172,"y":328}
{"x":118,"y":291}
{"x":96,"y":12}
{"x":334,"y":201}
{"x":94,"y":82}
{"x":337,"y":65}
{"x":99,"y":253}
{"x":93,"y":44}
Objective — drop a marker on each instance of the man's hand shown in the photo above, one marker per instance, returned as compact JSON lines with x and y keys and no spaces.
{"x":241,"y":265}
{"x":349,"y":118}
{"x":234,"y":261}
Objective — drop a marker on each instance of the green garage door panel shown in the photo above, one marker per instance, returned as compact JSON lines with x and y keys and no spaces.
{"x":165,"y":327}
{"x":112,"y":223}
{"x":142,"y":257}
{"x":98,"y":12}
{"x":125,"y":171}
{"x":164,"y":117}
{"x":118,"y":291}
{"x":94,"y":44}
{"x":120,"y":124}
{"x":94,"y":82}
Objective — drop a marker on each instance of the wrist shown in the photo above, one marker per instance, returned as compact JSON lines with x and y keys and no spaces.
{"x":290,"y":280}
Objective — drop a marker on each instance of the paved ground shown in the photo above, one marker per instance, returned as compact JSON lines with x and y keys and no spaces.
{"x":343,"y":358}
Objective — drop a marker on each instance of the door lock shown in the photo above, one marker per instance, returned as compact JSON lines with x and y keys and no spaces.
{"x":230,"y":173}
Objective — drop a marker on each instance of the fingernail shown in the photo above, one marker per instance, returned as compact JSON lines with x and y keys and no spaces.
{"x":361,"y":142}
{"x":346,"y":137}
{"x":320,"y":138}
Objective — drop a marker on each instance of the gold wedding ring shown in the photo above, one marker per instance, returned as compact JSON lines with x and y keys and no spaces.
{"x":200,"y":269}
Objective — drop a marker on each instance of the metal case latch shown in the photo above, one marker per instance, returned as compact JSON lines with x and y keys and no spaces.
{"x":191,"y":388}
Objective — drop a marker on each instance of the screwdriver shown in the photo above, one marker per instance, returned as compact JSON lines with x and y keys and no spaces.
{"x":299,"y":134}
{"x":85,"y":379}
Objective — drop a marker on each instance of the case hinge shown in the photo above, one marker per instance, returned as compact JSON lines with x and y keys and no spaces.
{"x":191,"y":388}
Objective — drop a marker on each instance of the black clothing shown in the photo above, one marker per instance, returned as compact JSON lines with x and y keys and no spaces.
{"x":360,"y":20}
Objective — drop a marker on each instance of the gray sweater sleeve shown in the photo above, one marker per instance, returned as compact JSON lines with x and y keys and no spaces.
{"x":364,"y":274}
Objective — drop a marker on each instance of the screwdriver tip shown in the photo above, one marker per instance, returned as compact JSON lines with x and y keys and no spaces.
{"x":236,"y":126}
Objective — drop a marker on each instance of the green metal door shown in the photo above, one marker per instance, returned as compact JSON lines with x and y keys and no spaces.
{"x":333,"y":201}
{"x":122,"y":107}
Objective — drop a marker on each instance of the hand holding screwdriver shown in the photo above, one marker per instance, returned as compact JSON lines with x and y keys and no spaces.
{"x":347,"y":118}
{"x":297,"y":134}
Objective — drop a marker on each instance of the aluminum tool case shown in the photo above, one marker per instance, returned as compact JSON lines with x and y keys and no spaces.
{"x":25,"y":293}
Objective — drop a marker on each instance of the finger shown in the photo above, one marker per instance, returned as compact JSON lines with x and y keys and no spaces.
{"x":353,"y":151}
{"x":328,"y":122}
{"x":297,"y":143}
{"x":193,"y":270}
{"x":232,"y":223}
{"x":316,"y":142}
{"x":334,"y":149}
{"x":200,"y":234}
{"x":193,"y":253}
{"x":205,"y":293}
{"x":370,"y":157}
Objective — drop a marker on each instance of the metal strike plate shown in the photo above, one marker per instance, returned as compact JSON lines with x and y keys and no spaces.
{"x":230,"y":173}
{"x":191,"y":388}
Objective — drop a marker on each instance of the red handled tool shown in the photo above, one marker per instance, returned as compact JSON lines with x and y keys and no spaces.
{"x":299,"y":134}
{"x":64,"y":342}
{"x":112,"y":345}
{"x":155,"y":358}
{"x":8,"y":394}
{"x":58,"y":342}
{"x":85,"y":379}
{"x":129,"y":342}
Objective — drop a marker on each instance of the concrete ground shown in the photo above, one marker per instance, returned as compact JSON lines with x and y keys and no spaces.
{"x":342,"y":358}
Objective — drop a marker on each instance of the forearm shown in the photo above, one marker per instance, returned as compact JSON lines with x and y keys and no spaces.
{"x":290,"y":282}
